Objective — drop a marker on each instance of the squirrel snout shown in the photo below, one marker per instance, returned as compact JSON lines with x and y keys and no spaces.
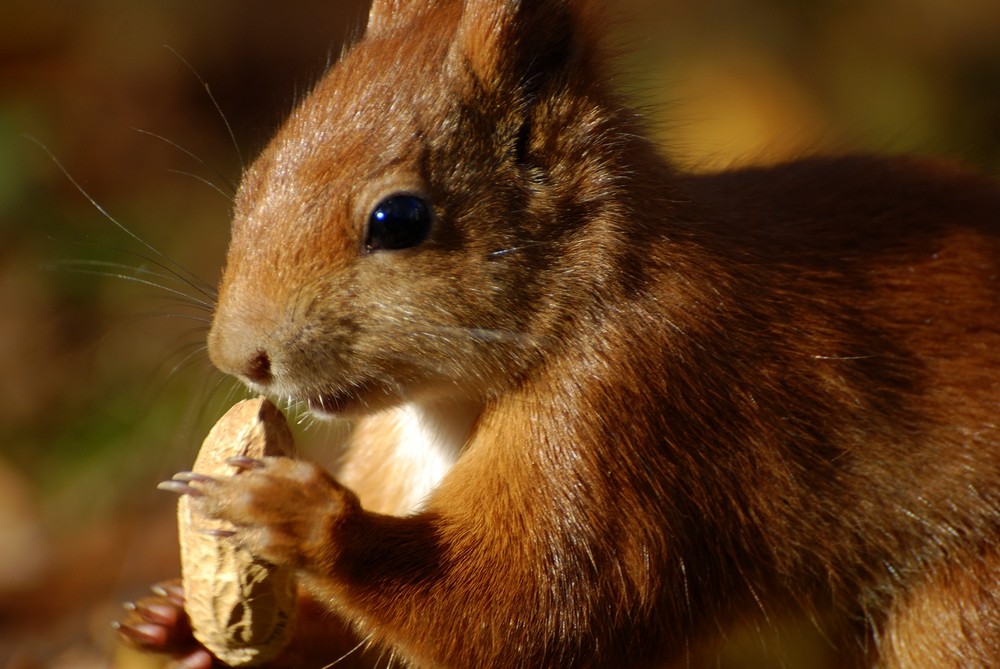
{"x":239,"y":356}
{"x":253,"y":367}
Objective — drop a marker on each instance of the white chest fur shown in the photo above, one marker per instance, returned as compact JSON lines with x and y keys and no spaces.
{"x":398,"y":457}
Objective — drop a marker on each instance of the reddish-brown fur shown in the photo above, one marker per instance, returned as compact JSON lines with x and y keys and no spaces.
{"x":687,"y":399}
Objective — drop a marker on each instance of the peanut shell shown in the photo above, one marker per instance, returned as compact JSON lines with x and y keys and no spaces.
{"x":242,"y":608}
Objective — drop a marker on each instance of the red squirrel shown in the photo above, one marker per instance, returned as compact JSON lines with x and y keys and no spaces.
{"x":604,"y":408}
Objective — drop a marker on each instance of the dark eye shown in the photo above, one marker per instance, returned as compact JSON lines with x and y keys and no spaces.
{"x":398,"y":222}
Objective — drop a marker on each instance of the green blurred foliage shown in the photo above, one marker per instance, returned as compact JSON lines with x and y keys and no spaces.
{"x":104,"y":388}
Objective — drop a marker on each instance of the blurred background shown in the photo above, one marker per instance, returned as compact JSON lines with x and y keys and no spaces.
{"x":104,"y":385}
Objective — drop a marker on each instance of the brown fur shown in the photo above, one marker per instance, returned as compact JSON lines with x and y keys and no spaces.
{"x":688,"y":398}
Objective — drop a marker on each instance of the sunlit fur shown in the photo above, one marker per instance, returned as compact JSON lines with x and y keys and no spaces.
{"x":678,"y":400}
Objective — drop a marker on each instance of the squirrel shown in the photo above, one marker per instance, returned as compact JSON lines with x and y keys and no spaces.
{"x":604,"y":408}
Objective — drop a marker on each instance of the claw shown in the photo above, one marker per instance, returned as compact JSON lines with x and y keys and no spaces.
{"x":181,"y":483}
{"x":199,"y":659}
{"x":244,"y":462}
{"x":169,"y":589}
{"x":143,"y":634}
{"x":179,"y":488}
{"x":193,"y":477}
{"x":158,"y":614}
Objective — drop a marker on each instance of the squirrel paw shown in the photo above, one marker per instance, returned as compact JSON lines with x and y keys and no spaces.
{"x":285,"y":511}
{"x":157,"y":624}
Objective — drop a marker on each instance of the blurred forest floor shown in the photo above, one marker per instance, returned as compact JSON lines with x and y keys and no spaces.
{"x":104,"y":386}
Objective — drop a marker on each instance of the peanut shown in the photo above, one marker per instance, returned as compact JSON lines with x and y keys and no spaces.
{"x":242,"y":608}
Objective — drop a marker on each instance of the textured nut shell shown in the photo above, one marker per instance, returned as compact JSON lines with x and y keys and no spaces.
{"x":241,"y":608}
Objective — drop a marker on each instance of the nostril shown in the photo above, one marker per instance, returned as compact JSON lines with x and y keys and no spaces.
{"x":258,"y":368}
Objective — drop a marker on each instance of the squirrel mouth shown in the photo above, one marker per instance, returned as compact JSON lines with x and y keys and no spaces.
{"x":331,"y":405}
{"x":359,"y":399}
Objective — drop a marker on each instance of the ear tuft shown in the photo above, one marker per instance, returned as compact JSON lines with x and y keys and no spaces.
{"x":510,"y":41}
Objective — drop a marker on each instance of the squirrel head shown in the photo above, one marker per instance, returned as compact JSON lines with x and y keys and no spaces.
{"x":420,"y":223}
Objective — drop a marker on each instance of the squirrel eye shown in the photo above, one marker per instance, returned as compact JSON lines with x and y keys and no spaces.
{"x":398,"y":222}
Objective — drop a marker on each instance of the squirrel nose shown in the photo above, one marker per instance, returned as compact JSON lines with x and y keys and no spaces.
{"x":251,"y":366}
{"x":258,"y":368}
{"x":233,"y":349}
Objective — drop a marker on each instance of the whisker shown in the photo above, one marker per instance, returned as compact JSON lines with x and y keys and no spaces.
{"x":513,"y":249}
{"x":346,"y":655}
{"x":205,"y":322}
{"x":479,"y":334}
{"x":139,"y":280}
{"x":206,"y":401}
{"x":191,"y":154}
{"x":490,"y":334}
{"x":173,"y":308}
{"x":196,"y":349}
{"x":76,"y":263}
{"x":168,"y":370}
{"x":215,"y":103}
{"x":180,"y":272}
{"x":113,"y":270}
{"x":182,"y":275}
{"x":90,"y":198}
{"x":188,"y":352}
{"x":210,"y":184}
{"x":202,"y":327}
{"x":299,"y":410}
{"x":236,"y":389}
{"x":103,"y":267}
{"x":381,"y":656}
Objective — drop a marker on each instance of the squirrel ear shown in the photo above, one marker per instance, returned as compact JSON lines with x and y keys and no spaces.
{"x":385,"y":15}
{"x":509,"y":42}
